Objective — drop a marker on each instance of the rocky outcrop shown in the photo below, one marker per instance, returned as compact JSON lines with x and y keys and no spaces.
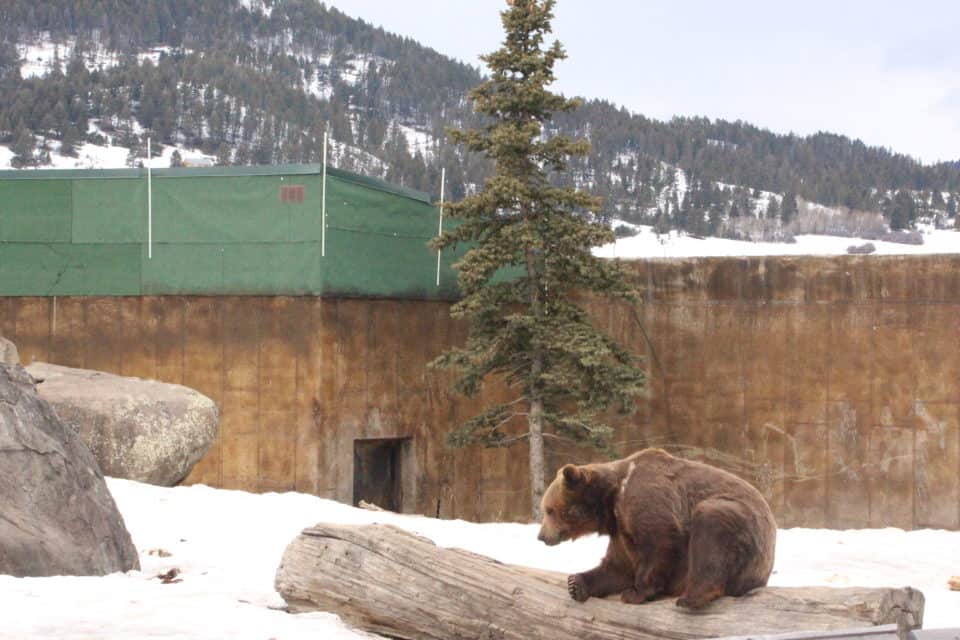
{"x":861,"y":249}
{"x":56,"y":515}
{"x":137,"y":429}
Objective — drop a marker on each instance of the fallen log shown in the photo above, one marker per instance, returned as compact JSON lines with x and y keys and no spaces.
{"x":382,"y":579}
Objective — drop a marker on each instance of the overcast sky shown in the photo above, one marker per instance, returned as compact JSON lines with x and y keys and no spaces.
{"x":884,"y":71}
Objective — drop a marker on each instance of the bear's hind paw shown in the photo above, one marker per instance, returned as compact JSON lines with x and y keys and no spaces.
{"x":699,"y":599}
{"x":634,"y":596}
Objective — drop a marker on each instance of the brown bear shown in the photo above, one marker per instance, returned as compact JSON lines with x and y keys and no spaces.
{"x":676,"y":527}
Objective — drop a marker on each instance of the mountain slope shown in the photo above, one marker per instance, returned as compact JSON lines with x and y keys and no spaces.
{"x":259,"y":81}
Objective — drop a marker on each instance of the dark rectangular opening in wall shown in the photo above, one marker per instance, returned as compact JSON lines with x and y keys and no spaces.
{"x":378,"y":472}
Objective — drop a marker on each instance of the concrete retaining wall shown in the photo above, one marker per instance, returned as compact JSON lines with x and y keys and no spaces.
{"x":831,"y":383}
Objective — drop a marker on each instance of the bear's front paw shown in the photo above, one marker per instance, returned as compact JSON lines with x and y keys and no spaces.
{"x":577,"y":587}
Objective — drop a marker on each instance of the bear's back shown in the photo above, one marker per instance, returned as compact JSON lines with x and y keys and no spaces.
{"x":656,"y":480}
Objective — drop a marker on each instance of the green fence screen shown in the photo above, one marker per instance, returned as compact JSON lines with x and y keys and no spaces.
{"x":217,"y":230}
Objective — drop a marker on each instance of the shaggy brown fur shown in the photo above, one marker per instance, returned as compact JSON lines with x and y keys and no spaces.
{"x":676,"y":527}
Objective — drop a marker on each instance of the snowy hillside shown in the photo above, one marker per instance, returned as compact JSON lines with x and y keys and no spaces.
{"x":231,"y":127}
{"x":264,"y":81}
{"x":228,"y":544}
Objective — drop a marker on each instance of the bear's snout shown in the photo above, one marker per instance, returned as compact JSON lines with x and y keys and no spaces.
{"x":548,"y":539}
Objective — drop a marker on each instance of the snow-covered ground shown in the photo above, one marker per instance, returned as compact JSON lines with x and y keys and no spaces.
{"x":647,"y":244}
{"x":228,"y":545}
{"x":90,"y":156}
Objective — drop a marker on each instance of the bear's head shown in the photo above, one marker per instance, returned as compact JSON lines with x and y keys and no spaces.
{"x":569,"y":507}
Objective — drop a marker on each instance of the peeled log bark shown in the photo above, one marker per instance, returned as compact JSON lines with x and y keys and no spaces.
{"x":386,"y":580}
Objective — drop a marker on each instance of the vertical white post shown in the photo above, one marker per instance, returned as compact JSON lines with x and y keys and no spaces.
{"x":323,"y":199}
{"x":149,"y":205}
{"x":443,"y":180}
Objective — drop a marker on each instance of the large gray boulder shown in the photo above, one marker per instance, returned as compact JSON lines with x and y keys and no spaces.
{"x":137,"y":429}
{"x":56,"y":515}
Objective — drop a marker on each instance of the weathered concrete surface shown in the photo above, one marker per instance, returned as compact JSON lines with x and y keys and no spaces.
{"x":137,"y":429}
{"x":831,"y":383}
{"x":56,"y":515}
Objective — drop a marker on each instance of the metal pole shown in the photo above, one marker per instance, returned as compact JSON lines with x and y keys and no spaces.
{"x":323,"y":200}
{"x":443,"y":180}
{"x":149,"y":205}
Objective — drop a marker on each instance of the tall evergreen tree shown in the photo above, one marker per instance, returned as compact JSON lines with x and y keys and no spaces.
{"x":69,"y":141}
{"x":789,"y":208}
{"x":24,"y":146}
{"x":133,"y":159}
{"x":223,"y":154}
{"x":773,"y":208}
{"x":903,"y":210}
{"x":526,"y":326}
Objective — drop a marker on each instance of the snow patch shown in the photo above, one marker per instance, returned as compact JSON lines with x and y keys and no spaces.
{"x":257,"y":6}
{"x":418,"y":141}
{"x":624,"y":159}
{"x":42,"y":55}
{"x":318,"y":86}
{"x":93,"y":156}
{"x":680,"y":185}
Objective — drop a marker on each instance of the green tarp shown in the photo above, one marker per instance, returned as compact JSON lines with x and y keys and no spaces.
{"x":236,"y":230}
{"x":36,"y":211}
{"x":37,"y":269}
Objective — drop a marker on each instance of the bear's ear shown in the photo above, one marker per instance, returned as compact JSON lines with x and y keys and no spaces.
{"x":573,"y":475}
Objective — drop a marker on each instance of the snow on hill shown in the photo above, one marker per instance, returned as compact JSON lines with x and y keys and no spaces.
{"x":419,"y":141}
{"x":647,"y":244}
{"x":228,"y":545}
{"x":257,"y":6}
{"x":41,"y":54}
{"x":94,"y":156}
